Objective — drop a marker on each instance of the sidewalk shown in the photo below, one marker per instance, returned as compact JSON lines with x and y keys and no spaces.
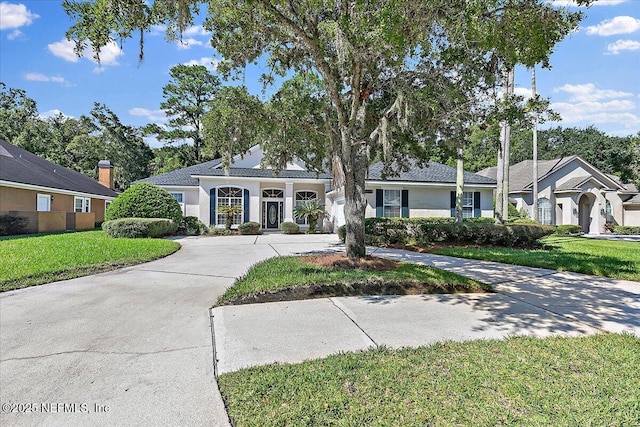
{"x":528,"y":301}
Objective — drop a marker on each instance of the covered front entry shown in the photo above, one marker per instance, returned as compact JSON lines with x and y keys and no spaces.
{"x":272,"y":208}
{"x":585,"y":206}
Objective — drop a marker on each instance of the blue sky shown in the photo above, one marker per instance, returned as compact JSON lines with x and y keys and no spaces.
{"x":594,"y":80}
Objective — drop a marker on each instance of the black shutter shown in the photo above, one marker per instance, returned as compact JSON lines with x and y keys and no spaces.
{"x":452,"y":204}
{"x":477,"y":212}
{"x":246,"y":205}
{"x":212,"y":206}
{"x":405,"y":203}
{"x":379,"y":203}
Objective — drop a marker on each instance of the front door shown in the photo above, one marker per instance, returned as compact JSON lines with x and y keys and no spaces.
{"x":273,"y":215}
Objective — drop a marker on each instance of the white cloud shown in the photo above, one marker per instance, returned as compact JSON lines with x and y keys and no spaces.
{"x":189,"y":43}
{"x":620,"y":45}
{"x":15,"y":34}
{"x":589,"y":92}
{"x":53,"y":113}
{"x":617,"y":25}
{"x":588,"y":104}
{"x":210,"y":63}
{"x":65,"y":49}
{"x":157,"y":30}
{"x":156,"y":116}
{"x":196,"y":30}
{"x":39,"y":77}
{"x":523,"y":92}
{"x":15,"y":16}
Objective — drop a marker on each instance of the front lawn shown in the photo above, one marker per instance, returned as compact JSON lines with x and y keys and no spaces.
{"x":616,"y":259}
{"x":518,"y":381}
{"x":34,"y":260}
{"x":286,"y":278}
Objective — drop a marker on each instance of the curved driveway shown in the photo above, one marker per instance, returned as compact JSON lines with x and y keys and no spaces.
{"x":127,"y":347}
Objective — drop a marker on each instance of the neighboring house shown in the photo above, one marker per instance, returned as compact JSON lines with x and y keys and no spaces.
{"x":572,"y":191}
{"x":52,"y":197}
{"x":268,"y":198}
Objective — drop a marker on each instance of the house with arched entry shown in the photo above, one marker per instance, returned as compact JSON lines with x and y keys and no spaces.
{"x":268,"y":197}
{"x":572,"y":191}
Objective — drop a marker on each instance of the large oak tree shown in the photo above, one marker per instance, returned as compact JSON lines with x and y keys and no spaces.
{"x":385,"y":65}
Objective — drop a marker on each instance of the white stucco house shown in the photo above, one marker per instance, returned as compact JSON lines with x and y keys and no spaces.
{"x":572,"y":191}
{"x":268,"y":198}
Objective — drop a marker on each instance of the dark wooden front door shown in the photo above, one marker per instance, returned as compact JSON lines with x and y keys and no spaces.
{"x":273,"y":215}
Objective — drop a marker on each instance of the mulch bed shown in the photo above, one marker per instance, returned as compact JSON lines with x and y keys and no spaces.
{"x":342,"y":262}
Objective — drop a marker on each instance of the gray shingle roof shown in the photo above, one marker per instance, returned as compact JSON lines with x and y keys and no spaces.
{"x":184,"y":177}
{"x":572,"y":183}
{"x":635,"y":200}
{"x":20,"y":166}
{"x":520,"y":174}
{"x":434,"y":172}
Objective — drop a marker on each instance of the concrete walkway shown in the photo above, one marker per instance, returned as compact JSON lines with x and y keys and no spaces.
{"x":528,"y":301}
{"x":129,"y":347}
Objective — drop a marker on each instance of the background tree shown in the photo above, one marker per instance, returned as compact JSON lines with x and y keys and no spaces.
{"x":17,"y":110}
{"x":187,"y":99}
{"x":368,"y":55}
{"x":232,"y":124}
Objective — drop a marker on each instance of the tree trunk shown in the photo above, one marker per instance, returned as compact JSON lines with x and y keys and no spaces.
{"x":459,"y":184}
{"x":535,"y":149}
{"x":355,"y":167}
{"x":507,"y":152}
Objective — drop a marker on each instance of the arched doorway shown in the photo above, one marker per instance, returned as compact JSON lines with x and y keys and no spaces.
{"x":585,"y":207}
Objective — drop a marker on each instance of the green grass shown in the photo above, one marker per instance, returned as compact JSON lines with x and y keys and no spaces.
{"x":287,"y":272}
{"x":616,"y":259}
{"x":34,"y":260}
{"x":588,"y":381}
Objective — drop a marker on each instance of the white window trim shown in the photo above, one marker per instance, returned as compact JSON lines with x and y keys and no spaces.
{"x":545,"y":206}
{"x":386,"y":205}
{"x":48,"y":196}
{"x":182,"y":196}
{"x":303,"y":221}
{"x":222,"y":223}
{"x":468,"y":209}
{"x":85,"y":204}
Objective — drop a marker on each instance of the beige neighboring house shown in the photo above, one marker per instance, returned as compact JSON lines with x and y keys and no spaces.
{"x":51,"y":197}
{"x":269,"y":198}
{"x":572,"y":191}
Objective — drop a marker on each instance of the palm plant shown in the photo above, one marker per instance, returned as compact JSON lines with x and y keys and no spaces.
{"x":229,"y":211}
{"x":312,"y":211}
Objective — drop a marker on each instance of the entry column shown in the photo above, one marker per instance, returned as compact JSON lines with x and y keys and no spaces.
{"x":288,"y":202}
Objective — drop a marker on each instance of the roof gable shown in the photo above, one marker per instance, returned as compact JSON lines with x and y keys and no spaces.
{"x":17,"y":165}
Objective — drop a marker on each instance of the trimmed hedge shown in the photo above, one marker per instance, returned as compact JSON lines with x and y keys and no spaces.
{"x":192,"y":226}
{"x":423,"y":231}
{"x":134,"y":228}
{"x":289,"y":228}
{"x":626,"y":230}
{"x":568,"y":229}
{"x":144,"y":200}
{"x":10,"y":225}
{"x":249,"y":228}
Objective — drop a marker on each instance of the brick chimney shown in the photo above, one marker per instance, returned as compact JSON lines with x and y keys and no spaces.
{"x":105,"y":173}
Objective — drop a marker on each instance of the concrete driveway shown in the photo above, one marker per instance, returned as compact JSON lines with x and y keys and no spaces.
{"x":128,"y":347}
{"x":528,"y":301}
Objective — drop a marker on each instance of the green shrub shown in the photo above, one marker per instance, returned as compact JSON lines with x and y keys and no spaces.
{"x":10,"y":225}
{"x":567,"y":229}
{"x":139,"y":227}
{"x":144,"y":200}
{"x":249,"y":228}
{"x":192,"y":226}
{"x":626,"y":230}
{"x":342,"y":233}
{"x":424,"y":231}
{"x":217,"y":231}
{"x":289,"y":228}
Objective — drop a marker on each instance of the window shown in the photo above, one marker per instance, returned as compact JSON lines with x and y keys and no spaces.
{"x":82,"y":204}
{"x":273,"y":193}
{"x":544,"y":211}
{"x":392,"y":203}
{"x":229,"y":196}
{"x":467,"y":204}
{"x":178,"y":196}
{"x":43,"y":203}
{"x":301,"y":197}
{"x":608,"y":212}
